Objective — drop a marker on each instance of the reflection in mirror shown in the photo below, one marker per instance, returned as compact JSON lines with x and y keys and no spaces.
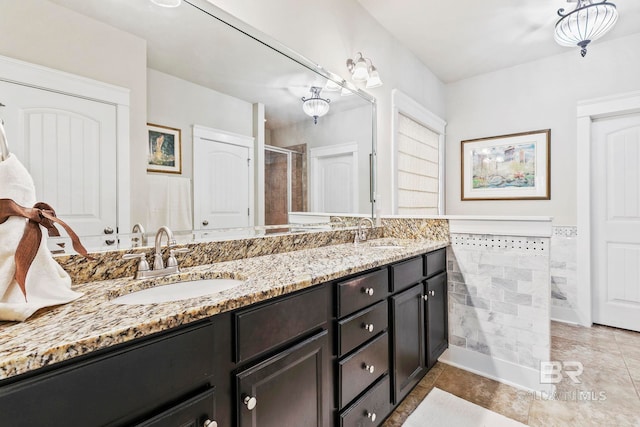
{"x":251,"y":157}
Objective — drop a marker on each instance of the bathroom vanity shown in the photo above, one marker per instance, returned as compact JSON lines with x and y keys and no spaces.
{"x":339,"y":341}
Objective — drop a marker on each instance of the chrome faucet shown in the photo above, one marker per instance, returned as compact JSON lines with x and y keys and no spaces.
{"x":361,"y":234}
{"x":138,"y":228}
{"x":158,"y":263}
{"x":159,"y":269}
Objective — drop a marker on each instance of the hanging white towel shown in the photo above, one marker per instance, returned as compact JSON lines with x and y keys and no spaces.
{"x":168,"y":202}
{"x":46,"y":282}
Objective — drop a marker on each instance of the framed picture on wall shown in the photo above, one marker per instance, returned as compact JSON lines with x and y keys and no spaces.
{"x":164,"y":149}
{"x":507,"y":167}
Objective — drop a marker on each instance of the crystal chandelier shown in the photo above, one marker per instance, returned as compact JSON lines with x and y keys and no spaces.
{"x":315,"y":106}
{"x":589,"y":21}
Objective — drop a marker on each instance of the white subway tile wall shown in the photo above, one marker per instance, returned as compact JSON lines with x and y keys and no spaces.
{"x":499,"y":296}
{"x":564,"y":283}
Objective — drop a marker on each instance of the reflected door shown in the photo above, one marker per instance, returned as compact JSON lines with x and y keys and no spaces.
{"x":68,"y":144}
{"x":616,"y":222}
{"x":222,"y":181}
{"x":334,"y":178}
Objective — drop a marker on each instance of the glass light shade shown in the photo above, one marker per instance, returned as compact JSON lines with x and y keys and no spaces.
{"x":360,"y":71}
{"x":332,"y":86}
{"x":345,"y":92}
{"x":315,"y":107}
{"x":374,"y":79}
{"x":167,"y":3}
{"x":588,"y":22}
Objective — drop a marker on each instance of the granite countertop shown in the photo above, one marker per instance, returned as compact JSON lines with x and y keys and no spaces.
{"x":93,"y":322}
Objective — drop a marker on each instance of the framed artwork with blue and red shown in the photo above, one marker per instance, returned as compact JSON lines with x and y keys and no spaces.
{"x":164,"y":152}
{"x":507,"y":167}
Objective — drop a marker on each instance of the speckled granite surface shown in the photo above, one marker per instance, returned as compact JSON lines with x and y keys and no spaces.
{"x":94,"y":322}
{"x":110,"y":265}
{"x":416,"y":228}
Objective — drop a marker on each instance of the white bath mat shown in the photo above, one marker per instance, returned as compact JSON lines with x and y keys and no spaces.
{"x":442,"y":409}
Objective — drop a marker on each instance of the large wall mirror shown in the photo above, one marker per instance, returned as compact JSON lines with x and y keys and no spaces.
{"x":211,"y":112}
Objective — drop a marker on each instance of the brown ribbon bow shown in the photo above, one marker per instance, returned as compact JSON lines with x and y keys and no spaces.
{"x":40,"y":214}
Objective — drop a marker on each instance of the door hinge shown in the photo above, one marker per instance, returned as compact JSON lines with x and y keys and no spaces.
{"x":248,"y":212}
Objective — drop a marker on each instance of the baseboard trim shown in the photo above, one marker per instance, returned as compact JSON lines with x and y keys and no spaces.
{"x":517,"y":376}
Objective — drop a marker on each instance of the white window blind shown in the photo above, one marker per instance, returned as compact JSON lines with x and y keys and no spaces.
{"x":418,"y":156}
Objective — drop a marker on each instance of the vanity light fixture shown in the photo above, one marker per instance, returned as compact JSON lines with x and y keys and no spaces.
{"x":315,"y":106}
{"x":362,"y":70}
{"x":589,"y":21}
{"x":167,"y":3}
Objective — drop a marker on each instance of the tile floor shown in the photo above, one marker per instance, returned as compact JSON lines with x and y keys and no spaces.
{"x":611,"y":360}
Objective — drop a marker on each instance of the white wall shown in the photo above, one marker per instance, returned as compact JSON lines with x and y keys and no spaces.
{"x":44,"y":33}
{"x":334,"y":129}
{"x":328,"y":32}
{"x":537,"y":95}
{"x":177,"y":103}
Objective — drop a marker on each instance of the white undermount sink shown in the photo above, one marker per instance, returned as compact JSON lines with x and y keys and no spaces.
{"x":177,"y":291}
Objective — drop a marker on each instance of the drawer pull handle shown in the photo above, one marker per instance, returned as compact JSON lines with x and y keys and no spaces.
{"x":368,"y":291}
{"x":249,"y":401}
{"x":369,"y":368}
{"x":210,"y":423}
{"x":432,"y":293}
{"x":368,"y":327}
{"x":372,"y":416}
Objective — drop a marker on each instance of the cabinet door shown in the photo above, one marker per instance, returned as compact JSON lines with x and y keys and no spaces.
{"x":437,"y":335}
{"x":293,"y":388}
{"x":409,"y":361}
{"x":197,"y":411}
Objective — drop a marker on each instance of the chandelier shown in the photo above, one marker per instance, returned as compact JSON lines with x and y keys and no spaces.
{"x":315,"y":106}
{"x":589,"y":21}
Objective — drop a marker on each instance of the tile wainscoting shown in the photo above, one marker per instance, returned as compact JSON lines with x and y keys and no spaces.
{"x":499,"y":303}
{"x":564,"y":282}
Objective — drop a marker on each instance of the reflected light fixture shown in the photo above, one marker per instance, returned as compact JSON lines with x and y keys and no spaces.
{"x":362,"y":70}
{"x":167,"y":3}
{"x":315,"y":106}
{"x":589,"y":21}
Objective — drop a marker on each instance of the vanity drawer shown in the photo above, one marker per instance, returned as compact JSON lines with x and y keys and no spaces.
{"x":435,"y":262}
{"x":361,"y":369}
{"x":362,"y":291}
{"x":191,"y":412}
{"x":406,"y":273}
{"x":362,"y":326}
{"x":371,"y":409}
{"x":266,"y":327}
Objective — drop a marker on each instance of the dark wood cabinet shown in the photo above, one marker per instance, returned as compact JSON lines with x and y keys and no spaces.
{"x":195,"y":412}
{"x":408,"y":340}
{"x":124,"y":386}
{"x":437,"y":325}
{"x":289,"y":389}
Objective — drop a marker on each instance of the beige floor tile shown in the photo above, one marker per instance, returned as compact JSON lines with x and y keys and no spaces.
{"x":599,"y":337}
{"x":490,"y":394}
{"x":621,"y":413}
{"x":624,"y":336}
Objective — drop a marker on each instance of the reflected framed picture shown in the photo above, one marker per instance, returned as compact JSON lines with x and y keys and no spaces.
{"x":507,"y":167}
{"x":164,"y":149}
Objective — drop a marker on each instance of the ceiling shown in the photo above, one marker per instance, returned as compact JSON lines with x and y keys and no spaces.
{"x":461,"y":39}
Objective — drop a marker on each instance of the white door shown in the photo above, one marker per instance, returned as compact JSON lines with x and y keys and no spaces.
{"x":68,"y":144}
{"x":616,"y":221}
{"x":222,"y":181}
{"x":334,"y":179}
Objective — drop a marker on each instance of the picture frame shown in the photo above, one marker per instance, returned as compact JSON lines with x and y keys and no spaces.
{"x":507,"y":167}
{"x":164,"y":149}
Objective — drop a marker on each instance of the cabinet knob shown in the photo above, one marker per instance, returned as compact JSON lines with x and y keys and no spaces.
{"x":432,"y":293}
{"x":249,"y":401}
{"x":372,"y":416}
{"x":368,"y":291}
{"x":368,"y":327}
{"x":369,"y":368}
{"x":426,"y":297}
{"x":209,"y":423}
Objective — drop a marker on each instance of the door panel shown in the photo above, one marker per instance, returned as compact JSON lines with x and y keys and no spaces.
{"x":334,"y":178}
{"x":221,"y":188}
{"x":68,"y":144}
{"x":616,"y":222}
